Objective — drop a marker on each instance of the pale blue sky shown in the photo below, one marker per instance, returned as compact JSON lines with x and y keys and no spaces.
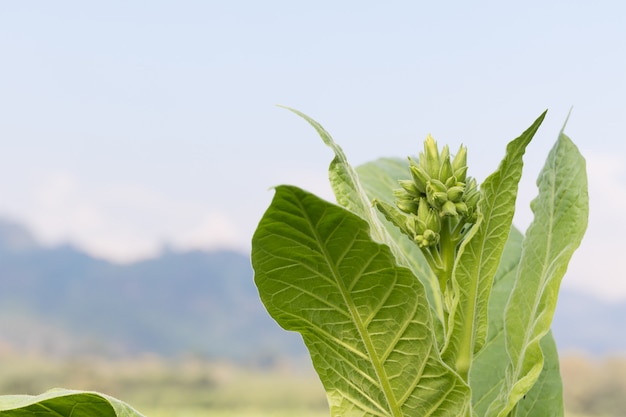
{"x":126,"y":125}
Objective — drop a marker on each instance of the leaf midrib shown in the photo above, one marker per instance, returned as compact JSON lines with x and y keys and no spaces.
{"x":381,"y":375}
{"x":546,"y":266}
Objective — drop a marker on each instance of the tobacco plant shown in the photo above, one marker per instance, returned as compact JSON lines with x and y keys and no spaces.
{"x":415,"y":295}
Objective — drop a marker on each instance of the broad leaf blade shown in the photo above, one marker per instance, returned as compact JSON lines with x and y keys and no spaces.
{"x":65,"y":403}
{"x":479,"y":256}
{"x":561,"y":211}
{"x":364,"y":319}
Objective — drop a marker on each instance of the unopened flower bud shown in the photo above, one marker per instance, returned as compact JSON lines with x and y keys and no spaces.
{"x":436,"y":186}
{"x":429,"y":238}
{"x":410,"y":226}
{"x":423,"y":210}
{"x":461,"y":208}
{"x":472,"y":194}
{"x":410,"y":187}
{"x":471,"y":198}
{"x":428,"y":218}
{"x":455,"y":193}
{"x":448,"y":209}
{"x":452,"y":182}
{"x":433,"y":221}
{"x":407,"y":205}
{"x":459,"y":163}
{"x":429,"y":160}
{"x":436,"y":193}
{"x":445,"y":170}
{"x":396,"y":217}
{"x":420,"y":177}
{"x":439,"y":188}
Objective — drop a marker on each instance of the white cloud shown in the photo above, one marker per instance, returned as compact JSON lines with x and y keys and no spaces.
{"x":214,"y":230}
{"x":124,"y":222}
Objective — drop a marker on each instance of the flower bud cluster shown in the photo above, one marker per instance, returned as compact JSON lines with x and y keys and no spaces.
{"x":439,"y":188}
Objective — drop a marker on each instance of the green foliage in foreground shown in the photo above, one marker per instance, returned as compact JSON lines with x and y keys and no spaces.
{"x":61,"y":402}
{"x":453,"y":321}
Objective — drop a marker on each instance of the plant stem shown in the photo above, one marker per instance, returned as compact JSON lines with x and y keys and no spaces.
{"x":447,"y":251}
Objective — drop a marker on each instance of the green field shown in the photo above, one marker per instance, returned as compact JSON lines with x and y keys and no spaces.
{"x":181,"y":387}
{"x":238,"y":412}
{"x":194,"y":387}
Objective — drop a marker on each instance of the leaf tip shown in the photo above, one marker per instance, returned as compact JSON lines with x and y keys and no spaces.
{"x":569,"y":113}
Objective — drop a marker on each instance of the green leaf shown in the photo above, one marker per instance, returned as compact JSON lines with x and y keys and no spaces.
{"x":363,"y":318}
{"x":65,"y":403}
{"x":379,"y":179}
{"x":479,"y":256}
{"x":561,"y":211}
{"x":545,"y":398}
{"x":489,"y":365}
{"x":488,"y":370}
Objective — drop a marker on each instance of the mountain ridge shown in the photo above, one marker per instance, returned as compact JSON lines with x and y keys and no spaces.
{"x":64,"y":301}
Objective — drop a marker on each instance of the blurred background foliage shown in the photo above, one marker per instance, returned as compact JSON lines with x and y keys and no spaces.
{"x":194,"y":386}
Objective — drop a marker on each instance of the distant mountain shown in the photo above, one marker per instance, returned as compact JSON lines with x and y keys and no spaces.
{"x":585,"y":323}
{"x":15,"y":237}
{"x":64,"y":301}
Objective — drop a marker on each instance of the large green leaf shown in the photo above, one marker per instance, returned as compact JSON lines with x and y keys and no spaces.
{"x":364,"y":319}
{"x":479,"y":256}
{"x":488,"y":370}
{"x":64,"y":403}
{"x":560,"y":221}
